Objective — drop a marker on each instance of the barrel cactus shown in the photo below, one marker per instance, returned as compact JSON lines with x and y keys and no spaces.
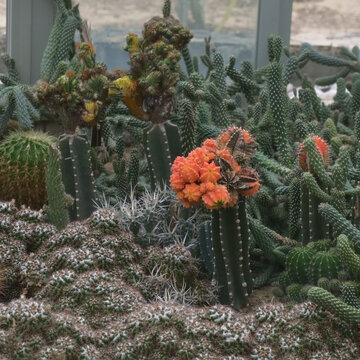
{"x":23,"y":161}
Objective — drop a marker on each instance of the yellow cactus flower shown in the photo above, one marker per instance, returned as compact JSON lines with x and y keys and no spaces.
{"x":132,"y":41}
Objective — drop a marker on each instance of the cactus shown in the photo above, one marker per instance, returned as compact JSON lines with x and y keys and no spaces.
{"x":230,"y":235}
{"x":329,"y":302}
{"x":348,"y":257}
{"x":58,"y":202}
{"x":162,"y":145}
{"x":205,"y":245}
{"x":23,"y":162}
{"x":324,"y":264}
{"x":297,"y":264}
{"x":77,"y":175}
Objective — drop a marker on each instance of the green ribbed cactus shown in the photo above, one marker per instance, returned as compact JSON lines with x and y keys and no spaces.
{"x":58,"y":201}
{"x":23,"y":162}
{"x":324,"y":264}
{"x":348,"y":294}
{"x":77,"y":175}
{"x":350,"y":260}
{"x":206,"y":247}
{"x":162,"y":145}
{"x":337,"y":307}
{"x":297,"y":264}
{"x":338,"y":222}
{"x":230,"y":236}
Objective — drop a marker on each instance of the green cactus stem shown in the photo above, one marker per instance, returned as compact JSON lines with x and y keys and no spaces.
{"x":58,"y":201}
{"x":77,"y":175}
{"x":337,"y":307}
{"x":230,"y":236}
{"x":162,"y":145}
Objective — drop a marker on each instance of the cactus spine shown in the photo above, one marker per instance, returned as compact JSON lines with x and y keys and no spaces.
{"x":230,"y":235}
{"x":77,"y":175}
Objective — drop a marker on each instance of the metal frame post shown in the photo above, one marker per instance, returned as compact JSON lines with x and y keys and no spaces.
{"x":28,"y":25}
{"x":274,"y":17}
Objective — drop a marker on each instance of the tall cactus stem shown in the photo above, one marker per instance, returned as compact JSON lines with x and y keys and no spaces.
{"x":230,"y":234}
{"x":162,"y":145}
{"x":77,"y":175}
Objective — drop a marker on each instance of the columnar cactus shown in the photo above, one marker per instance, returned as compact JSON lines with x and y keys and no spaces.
{"x":23,"y":162}
{"x":77,"y":175}
{"x":219,"y":176}
{"x":230,"y":236}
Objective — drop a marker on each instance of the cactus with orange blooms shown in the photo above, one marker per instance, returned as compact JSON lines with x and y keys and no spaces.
{"x":218,"y":175}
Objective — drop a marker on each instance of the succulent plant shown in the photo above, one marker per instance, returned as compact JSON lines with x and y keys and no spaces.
{"x":23,"y":163}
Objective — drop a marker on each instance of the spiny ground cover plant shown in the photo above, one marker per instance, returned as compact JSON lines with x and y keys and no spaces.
{"x":84,"y":292}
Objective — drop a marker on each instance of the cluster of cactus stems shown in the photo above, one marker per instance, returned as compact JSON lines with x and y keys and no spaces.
{"x":298,"y":230}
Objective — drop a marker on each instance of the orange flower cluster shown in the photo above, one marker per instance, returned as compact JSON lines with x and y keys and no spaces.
{"x":210,"y":175}
{"x":322,"y":149}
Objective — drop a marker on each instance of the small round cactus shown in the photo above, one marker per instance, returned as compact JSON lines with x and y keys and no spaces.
{"x":297,"y":264}
{"x":324,"y":264}
{"x":23,"y":161}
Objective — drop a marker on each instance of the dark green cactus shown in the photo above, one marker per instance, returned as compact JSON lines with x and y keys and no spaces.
{"x":162,"y":145}
{"x":58,"y":201}
{"x":337,"y":307}
{"x":206,"y":247}
{"x":324,"y":264}
{"x":77,"y":175}
{"x":230,"y":235}
{"x":297,"y":264}
{"x":350,"y":260}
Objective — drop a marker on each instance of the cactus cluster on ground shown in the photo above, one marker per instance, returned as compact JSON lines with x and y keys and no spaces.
{"x":101,"y":259}
{"x":90,"y":291}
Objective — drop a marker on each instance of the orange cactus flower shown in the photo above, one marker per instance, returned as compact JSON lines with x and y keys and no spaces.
{"x":176,"y":182}
{"x":190,"y":171}
{"x":322,"y":149}
{"x":210,"y":173}
{"x":86,"y":49}
{"x":225,"y":154}
{"x":251,"y":183}
{"x":178,"y":163}
{"x":207,"y":186}
{"x":224,"y":137}
{"x":217,"y":198}
{"x":181,"y":197}
{"x":211,"y":145}
{"x":69,"y":74}
{"x":234,"y":196}
{"x":192,"y":193}
{"x":201,"y":155}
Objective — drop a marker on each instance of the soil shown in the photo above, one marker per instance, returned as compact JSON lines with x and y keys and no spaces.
{"x":259,"y":297}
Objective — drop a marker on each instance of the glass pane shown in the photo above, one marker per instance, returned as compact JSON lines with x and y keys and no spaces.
{"x":231,"y":24}
{"x":324,"y":23}
{"x":2,"y":32}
